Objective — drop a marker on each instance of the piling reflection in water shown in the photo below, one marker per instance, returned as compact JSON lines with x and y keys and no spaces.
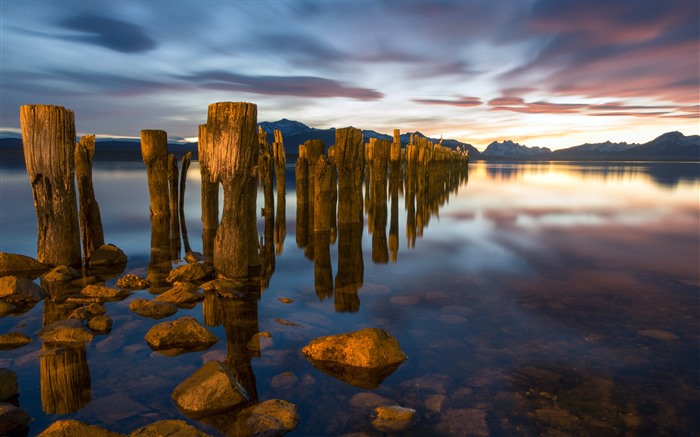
{"x":64,"y":378}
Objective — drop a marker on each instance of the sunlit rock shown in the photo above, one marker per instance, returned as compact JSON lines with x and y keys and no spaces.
{"x":152,"y":309}
{"x":272,"y":418}
{"x":13,"y":340}
{"x":392,"y":418}
{"x":102,"y":323}
{"x":61,"y":274}
{"x":194,"y":257}
{"x":190,"y":273}
{"x":463,"y":421}
{"x":18,"y":289}
{"x":13,"y":420}
{"x":133,"y":282}
{"x":181,"y":294}
{"x":6,"y":308}
{"x":87,"y":312}
{"x":8,"y":384}
{"x":184,"y":334}
{"x":658,"y":334}
{"x":102,"y":292}
{"x":107,"y":255}
{"x":209,"y":390}
{"x":20,"y":265}
{"x":66,"y":332}
{"x":67,"y":428}
{"x":175,"y":428}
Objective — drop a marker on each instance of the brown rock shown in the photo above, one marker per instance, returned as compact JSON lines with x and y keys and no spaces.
{"x":102,"y":292}
{"x":273,"y":417}
{"x":369,"y":401}
{"x":190,"y":273}
{"x":194,"y":257}
{"x":17,"y":289}
{"x":658,"y":334}
{"x":152,"y":309}
{"x":174,"y":428}
{"x":465,"y":421}
{"x":74,"y":428}
{"x":369,"y":348}
{"x":284,"y":381}
{"x":107,"y":255}
{"x":182,"y":293}
{"x":102,"y":323}
{"x":184,"y":333}
{"x":61,"y":274}
{"x":14,"y":264}
{"x":13,"y":340}
{"x":209,"y":390}
{"x":133,"y":282}
{"x":392,"y":418}
{"x":8,"y":384}
{"x":66,"y":332}
{"x":13,"y":419}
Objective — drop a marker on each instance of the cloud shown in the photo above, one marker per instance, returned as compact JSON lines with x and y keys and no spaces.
{"x":299,"y":86}
{"x":120,"y":36}
{"x":461,"y":102}
{"x":519,"y":105}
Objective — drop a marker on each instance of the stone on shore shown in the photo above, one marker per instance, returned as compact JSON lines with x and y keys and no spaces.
{"x":392,"y":418}
{"x":169,"y":428}
{"x":190,"y":273}
{"x":133,"y":282}
{"x":107,"y":255}
{"x":18,"y":289}
{"x":367,"y":348}
{"x":70,"y":428}
{"x":102,"y":292}
{"x":209,"y":390}
{"x":8,"y":384}
{"x":152,"y":309}
{"x":13,"y":419}
{"x":185,"y":334}
{"x":68,"y":332}
{"x":13,"y":340}
{"x":15,"y":264}
{"x":272,"y":418}
{"x":181,"y":294}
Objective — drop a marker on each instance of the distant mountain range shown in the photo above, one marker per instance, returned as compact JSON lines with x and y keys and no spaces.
{"x":671,"y":146}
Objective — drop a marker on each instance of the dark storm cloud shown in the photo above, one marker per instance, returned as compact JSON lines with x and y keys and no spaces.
{"x":464,"y":102}
{"x":118,"y":35}
{"x":300,"y":86}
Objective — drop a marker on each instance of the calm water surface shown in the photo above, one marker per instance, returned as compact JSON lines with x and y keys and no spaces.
{"x":549,"y":298}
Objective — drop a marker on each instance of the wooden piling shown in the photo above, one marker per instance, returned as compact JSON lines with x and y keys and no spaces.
{"x":48,"y":137}
{"x":91,"y":231}
{"x":174,"y":182}
{"x":234,"y":141}
{"x":154,"y":150}
{"x":185,"y":164}
{"x":349,"y":151}
{"x":210,"y":187}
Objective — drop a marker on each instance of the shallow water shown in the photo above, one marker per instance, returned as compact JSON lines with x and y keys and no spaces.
{"x":534,"y":298}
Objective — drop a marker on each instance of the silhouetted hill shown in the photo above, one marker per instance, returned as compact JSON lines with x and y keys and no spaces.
{"x":509,"y":149}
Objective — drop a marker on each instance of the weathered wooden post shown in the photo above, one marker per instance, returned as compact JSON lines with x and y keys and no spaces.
{"x":174,"y":182}
{"x":395,"y":182}
{"x":210,"y":194}
{"x":349,"y":151}
{"x":231,"y":134}
{"x":280,"y":159}
{"x":90,"y":221}
{"x":181,"y":204}
{"x":265,"y":170}
{"x":48,"y":137}
{"x":323,"y":271}
{"x":380,"y":158}
{"x":302,"y":190}
{"x":154,"y":149}
{"x":64,"y":378}
{"x":334,"y":196}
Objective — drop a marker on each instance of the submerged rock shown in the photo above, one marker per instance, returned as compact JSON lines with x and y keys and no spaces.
{"x":392,"y":418}
{"x":8,"y":384}
{"x":107,"y":255}
{"x":103,"y":292}
{"x":25,"y":266}
{"x":463,"y":421}
{"x":66,"y":332}
{"x":185,"y":334}
{"x":69,"y":428}
{"x":133,"y":282}
{"x":367,"y":348}
{"x":61,"y":274}
{"x":190,"y":273}
{"x":152,"y":309}
{"x":13,"y":340}
{"x":18,"y":289}
{"x":658,"y":334}
{"x":272,"y":418}
{"x":181,"y":294}
{"x":174,"y":428}
{"x":209,"y":390}
{"x":13,"y":419}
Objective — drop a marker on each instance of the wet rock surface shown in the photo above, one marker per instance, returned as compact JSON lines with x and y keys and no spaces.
{"x":61,"y":274}
{"x":182,"y":293}
{"x":167,"y":428}
{"x":16,"y":264}
{"x":102,"y":292}
{"x":272,"y":418}
{"x":13,"y":340}
{"x":463,"y":421}
{"x":184,"y":334}
{"x":18,"y":289}
{"x":107,"y":255}
{"x":68,"y":332}
{"x":209,"y":390}
{"x":152,"y":309}
{"x":392,"y":418}
{"x":8,"y":384}
{"x":133,"y":282}
{"x":101,"y":324}
{"x":367,"y":348}
{"x":190,"y":273}
{"x":69,"y":428}
{"x":13,"y":419}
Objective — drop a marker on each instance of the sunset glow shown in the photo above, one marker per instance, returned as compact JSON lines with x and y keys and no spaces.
{"x":542,"y":73}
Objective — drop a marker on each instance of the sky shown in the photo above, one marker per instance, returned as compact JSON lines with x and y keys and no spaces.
{"x":542,"y":73}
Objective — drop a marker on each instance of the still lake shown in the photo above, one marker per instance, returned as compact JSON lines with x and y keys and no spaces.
{"x":539,"y":298}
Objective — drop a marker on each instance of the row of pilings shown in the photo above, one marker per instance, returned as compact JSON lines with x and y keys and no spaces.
{"x":239,"y":158}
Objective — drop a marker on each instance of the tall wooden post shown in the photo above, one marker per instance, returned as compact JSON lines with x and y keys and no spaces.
{"x":181,"y":203}
{"x":154,"y":150}
{"x":174,"y":181}
{"x":48,"y":136}
{"x":231,"y":134}
{"x":349,"y":153}
{"x":90,"y":221}
{"x":280,"y":158}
